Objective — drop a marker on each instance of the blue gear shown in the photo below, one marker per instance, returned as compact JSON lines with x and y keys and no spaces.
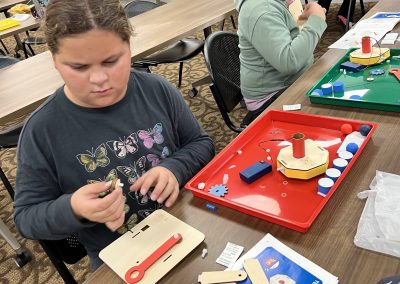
{"x":376,"y":72}
{"x":218,"y":190}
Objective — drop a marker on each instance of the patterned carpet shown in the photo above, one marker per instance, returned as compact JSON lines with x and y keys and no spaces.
{"x":40,"y":269}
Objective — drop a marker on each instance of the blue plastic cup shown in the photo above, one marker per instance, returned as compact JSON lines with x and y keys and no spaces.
{"x":324,"y":185}
{"x":340,"y":164}
{"x":333,"y":174}
{"x":346,"y":155}
{"x":327,"y":89}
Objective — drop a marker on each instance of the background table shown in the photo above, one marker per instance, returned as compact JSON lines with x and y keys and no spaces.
{"x":27,"y":25}
{"x":6,"y":4}
{"x":329,"y":242}
{"x":26,"y":84}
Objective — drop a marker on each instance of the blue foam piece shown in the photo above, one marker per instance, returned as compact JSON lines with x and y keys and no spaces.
{"x":327,"y":90}
{"x":355,"y":97}
{"x":255,"y":171}
{"x":365,"y":129}
{"x":350,"y":66}
{"x":317,"y":92}
{"x":338,"y":87}
{"x":211,"y":207}
{"x":352,"y":148}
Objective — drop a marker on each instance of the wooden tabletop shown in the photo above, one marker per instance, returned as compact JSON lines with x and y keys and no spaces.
{"x":26,"y":25}
{"x":6,"y":4}
{"x":164,"y":25}
{"x":26,"y":84}
{"x":329,"y":241}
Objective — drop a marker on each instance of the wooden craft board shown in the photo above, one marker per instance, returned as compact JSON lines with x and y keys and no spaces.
{"x":383,"y":93}
{"x":212,"y":277}
{"x":255,"y":271}
{"x":136,"y":245}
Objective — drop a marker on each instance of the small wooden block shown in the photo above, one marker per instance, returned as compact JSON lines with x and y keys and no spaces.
{"x":296,"y":9}
{"x":255,"y":271}
{"x":212,"y":277}
{"x":110,"y":189}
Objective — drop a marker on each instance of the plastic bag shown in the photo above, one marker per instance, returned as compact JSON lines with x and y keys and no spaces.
{"x":379,"y":226}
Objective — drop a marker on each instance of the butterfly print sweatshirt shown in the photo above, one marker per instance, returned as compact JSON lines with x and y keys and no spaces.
{"x":64,"y":146}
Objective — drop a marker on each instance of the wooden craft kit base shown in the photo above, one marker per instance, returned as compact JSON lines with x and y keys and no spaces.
{"x":143,"y":245}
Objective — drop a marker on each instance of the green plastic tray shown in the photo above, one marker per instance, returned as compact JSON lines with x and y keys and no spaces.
{"x":383,"y":93}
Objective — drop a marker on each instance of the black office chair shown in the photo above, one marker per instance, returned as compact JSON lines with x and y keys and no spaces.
{"x":6,"y":61}
{"x":23,"y":256}
{"x":395,"y":279}
{"x":68,"y":250}
{"x":5,"y":48}
{"x":221,"y":52}
{"x":232,"y":21}
{"x":178,"y":52}
{"x":351,"y":7}
{"x":28,"y":41}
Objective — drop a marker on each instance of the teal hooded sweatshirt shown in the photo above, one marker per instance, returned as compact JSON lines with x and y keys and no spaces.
{"x":273,"y":51}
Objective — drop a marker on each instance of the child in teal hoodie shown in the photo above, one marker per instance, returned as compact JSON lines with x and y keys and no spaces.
{"x":273,"y":50}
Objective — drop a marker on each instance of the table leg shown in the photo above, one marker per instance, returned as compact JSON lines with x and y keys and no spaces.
{"x":205,"y":80}
{"x":19,"y":45}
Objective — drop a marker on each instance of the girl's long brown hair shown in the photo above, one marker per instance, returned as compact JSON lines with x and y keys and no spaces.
{"x":66,"y":18}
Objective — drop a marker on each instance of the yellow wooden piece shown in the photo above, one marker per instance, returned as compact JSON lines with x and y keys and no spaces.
{"x":212,"y":277}
{"x":314,"y":163}
{"x":376,"y":56}
{"x":255,"y":271}
{"x":136,"y":245}
{"x":20,"y":9}
{"x":296,"y":9}
{"x":8,"y":23}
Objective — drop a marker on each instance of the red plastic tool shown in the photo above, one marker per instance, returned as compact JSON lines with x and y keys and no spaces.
{"x":138,"y":270}
{"x":395,"y":72}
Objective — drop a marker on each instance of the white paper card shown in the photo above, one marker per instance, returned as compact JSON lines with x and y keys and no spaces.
{"x":389,"y":38}
{"x":230,"y":254}
{"x":291,"y":107}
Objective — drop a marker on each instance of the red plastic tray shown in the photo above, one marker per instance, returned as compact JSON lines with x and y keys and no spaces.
{"x":288,"y":202}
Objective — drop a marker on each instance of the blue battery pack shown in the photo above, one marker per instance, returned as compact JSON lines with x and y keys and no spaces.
{"x":350,"y":66}
{"x":255,"y":171}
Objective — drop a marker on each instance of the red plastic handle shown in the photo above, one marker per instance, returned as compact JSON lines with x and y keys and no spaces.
{"x":395,"y":72}
{"x":138,"y":270}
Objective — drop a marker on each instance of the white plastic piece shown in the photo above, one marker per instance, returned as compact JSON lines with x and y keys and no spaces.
{"x":21,"y":17}
{"x":379,"y":221}
{"x":204,"y":253}
{"x":225,"y":179}
{"x":201,"y":185}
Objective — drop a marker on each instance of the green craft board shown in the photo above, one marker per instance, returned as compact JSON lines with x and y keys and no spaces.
{"x":383,"y":93}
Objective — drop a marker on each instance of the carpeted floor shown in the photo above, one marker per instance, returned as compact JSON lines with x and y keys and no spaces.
{"x":40,"y":269}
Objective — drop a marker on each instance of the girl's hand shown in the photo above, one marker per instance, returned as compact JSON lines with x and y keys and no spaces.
{"x":313,"y":8}
{"x":86,"y":203}
{"x":166,"y":186}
